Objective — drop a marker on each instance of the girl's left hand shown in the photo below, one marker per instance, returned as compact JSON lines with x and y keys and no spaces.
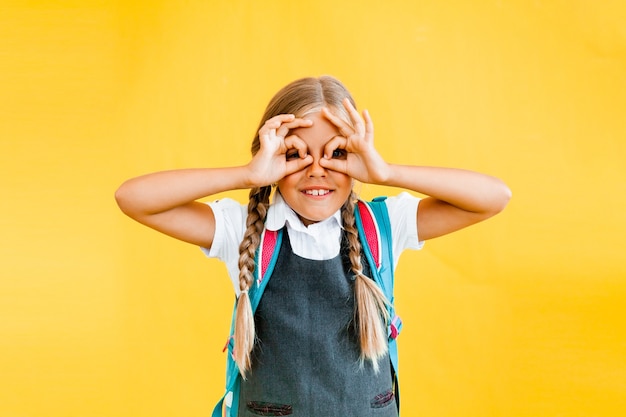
{"x":362,"y":162}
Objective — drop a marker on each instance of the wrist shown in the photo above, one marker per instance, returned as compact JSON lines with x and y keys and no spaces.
{"x":387,"y":176}
{"x":251,"y":177}
{"x":382,"y":174}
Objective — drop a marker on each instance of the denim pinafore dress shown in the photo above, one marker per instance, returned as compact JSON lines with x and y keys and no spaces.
{"x":306,"y":358}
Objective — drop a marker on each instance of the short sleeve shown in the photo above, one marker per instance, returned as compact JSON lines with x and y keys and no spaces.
{"x":230,"y":218}
{"x":403,"y":218}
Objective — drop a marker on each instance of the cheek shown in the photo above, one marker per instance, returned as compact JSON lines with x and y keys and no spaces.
{"x":287,"y":186}
{"x":344,"y":181}
{"x":288,"y":181}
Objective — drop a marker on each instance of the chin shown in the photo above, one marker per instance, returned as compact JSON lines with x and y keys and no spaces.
{"x":307,"y":220}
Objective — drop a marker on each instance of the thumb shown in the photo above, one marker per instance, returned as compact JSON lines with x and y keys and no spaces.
{"x":338,"y":165}
{"x":298,"y":164}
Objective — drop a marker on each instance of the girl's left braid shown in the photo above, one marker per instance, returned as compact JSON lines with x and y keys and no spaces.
{"x":244,"y":334}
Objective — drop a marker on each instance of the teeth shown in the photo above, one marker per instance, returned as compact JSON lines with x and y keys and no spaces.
{"x":316,"y":192}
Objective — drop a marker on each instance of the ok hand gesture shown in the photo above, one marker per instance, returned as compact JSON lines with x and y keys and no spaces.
{"x":270,"y":163}
{"x":363,"y":162}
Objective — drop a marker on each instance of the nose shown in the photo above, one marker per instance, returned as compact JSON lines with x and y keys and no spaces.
{"x":315,"y":169}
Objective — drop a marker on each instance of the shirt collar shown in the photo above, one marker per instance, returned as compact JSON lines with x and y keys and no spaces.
{"x":280,"y":214}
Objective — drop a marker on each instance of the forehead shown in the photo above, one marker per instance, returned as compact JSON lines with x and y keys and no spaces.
{"x":321,"y":131}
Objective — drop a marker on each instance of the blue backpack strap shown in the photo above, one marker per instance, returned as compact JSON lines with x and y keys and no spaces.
{"x":265,"y":261}
{"x":372,"y":220}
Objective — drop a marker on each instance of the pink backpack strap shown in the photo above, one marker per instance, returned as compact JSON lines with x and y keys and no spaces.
{"x":266,"y":254}
{"x":372,"y":234}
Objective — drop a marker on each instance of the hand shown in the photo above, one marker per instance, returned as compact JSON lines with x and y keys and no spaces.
{"x":279,"y":155}
{"x":362,"y":162}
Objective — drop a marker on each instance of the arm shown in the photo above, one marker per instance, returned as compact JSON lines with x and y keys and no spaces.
{"x":456,"y":198}
{"x":167,"y":201}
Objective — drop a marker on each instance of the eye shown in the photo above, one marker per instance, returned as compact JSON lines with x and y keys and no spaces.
{"x":339,"y":154}
{"x":291,"y":155}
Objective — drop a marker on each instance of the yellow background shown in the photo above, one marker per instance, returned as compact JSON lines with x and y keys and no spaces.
{"x":520,"y":316}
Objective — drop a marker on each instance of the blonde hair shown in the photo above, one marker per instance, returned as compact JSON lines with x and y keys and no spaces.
{"x":302,"y":97}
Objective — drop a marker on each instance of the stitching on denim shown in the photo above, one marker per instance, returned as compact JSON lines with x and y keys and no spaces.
{"x":269,"y":409}
{"x":382,"y":400}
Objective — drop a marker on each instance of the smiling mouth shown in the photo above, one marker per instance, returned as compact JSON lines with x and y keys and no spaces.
{"x":316,"y":192}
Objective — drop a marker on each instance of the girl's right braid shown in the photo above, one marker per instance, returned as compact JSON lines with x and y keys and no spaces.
{"x":244,"y":333}
{"x":370,"y":302}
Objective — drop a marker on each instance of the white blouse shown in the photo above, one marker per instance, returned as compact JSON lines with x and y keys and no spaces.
{"x":318,"y":241}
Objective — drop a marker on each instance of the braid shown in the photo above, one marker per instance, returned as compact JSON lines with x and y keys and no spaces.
{"x":370,"y":305}
{"x":244,"y":319}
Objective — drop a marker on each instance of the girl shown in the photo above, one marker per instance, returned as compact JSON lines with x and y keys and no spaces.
{"x":317,"y":345}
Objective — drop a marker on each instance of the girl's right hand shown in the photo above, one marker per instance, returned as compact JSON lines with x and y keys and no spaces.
{"x":279,"y":155}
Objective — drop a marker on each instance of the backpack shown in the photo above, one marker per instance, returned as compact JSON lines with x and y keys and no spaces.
{"x":372,"y":221}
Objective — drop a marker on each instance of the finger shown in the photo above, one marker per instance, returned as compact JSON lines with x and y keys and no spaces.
{"x":369,"y":125}
{"x":298,"y":164}
{"x":284,"y":129}
{"x":354,"y":116}
{"x":344,"y":128}
{"x":298,"y":122}
{"x":275,"y":122}
{"x":338,"y":165}
{"x":338,"y":142}
{"x":268,"y":130}
{"x":295,"y":142}
{"x":281,"y":118}
{"x":265,"y":135}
